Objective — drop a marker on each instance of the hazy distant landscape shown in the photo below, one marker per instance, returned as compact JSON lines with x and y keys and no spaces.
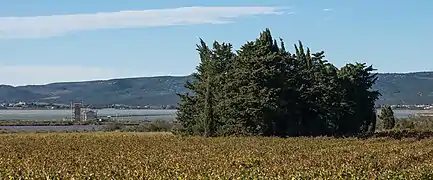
{"x":152,"y":91}
{"x":396,"y":88}
{"x":401,"y":88}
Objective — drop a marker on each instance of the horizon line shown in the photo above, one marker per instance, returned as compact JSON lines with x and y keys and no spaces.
{"x":173,"y":76}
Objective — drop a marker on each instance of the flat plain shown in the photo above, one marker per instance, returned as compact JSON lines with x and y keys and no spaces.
{"x":151,"y":114}
{"x":67,"y":113}
{"x":117,"y":155}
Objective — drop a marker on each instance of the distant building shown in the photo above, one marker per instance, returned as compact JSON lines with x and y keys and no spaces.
{"x":90,"y":115}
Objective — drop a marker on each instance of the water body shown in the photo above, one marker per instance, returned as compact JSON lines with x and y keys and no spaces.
{"x":408,"y":113}
{"x":147,"y":114}
{"x":403,"y":114}
{"x":67,"y":114}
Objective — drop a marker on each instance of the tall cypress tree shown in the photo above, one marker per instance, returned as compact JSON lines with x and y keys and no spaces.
{"x":199,"y":112}
{"x":190,"y":113}
{"x":262,"y":89}
{"x":358,"y":98}
{"x":209,"y":122}
{"x":255,"y":86}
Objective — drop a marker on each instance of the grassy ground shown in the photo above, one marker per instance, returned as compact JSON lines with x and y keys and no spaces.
{"x":103,"y":155}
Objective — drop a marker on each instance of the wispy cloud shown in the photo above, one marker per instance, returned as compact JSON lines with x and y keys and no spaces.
{"x":55,"y":25}
{"x":327,"y":9}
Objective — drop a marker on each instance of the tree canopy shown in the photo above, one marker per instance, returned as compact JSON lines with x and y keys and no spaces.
{"x":263,"y":89}
{"x":387,"y":117}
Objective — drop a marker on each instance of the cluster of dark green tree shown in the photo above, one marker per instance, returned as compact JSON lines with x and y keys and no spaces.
{"x":262,"y":89}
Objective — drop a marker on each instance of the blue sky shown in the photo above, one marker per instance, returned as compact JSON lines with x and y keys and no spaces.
{"x":47,"y":41}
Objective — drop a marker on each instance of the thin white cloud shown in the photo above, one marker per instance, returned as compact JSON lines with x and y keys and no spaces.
{"x":327,"y":9}
{"x":55,"y":25}
{"x":33,"y":74}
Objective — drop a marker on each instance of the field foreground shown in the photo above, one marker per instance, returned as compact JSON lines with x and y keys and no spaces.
{"x":164,"y":156}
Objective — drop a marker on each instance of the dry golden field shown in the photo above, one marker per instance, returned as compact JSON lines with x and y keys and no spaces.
{"x":164,"y":156}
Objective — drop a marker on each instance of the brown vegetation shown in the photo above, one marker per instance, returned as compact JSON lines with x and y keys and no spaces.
{"x":144,"y":156}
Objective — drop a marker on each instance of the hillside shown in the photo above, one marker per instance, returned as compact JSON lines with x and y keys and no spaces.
{"x":132,"y":91}
{"x":396,"y":88}
{"x":405,"y":88}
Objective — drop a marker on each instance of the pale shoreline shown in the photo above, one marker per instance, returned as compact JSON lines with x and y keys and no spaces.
{"x":409,"y":111}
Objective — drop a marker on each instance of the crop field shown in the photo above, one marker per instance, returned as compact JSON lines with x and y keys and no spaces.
{"x":165,"y":156}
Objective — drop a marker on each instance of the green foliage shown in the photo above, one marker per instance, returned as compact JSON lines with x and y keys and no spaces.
{"x":262,"y":89}
{"x":209,"y":116}
{"x":387,"y":117}
{"x":199,"y":114}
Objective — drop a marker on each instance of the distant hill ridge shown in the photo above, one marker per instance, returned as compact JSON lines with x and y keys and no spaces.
{"x":396,"y":88}
{"x":155,"y":91}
